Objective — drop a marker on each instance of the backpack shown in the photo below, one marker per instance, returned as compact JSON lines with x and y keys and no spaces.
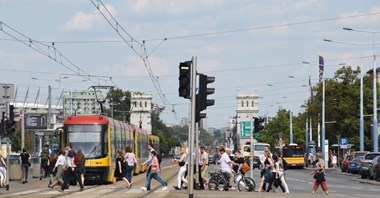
{"x":45,"y":153}
{"x":76,"y":158}
{"x":284,"y":164}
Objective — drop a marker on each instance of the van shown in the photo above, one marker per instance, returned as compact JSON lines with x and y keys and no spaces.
{"x":258,"y":150}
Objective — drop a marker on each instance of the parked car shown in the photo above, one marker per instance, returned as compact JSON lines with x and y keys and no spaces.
{"x":377,"y":170}
{"x":345,"y":164}
{"x":372,"y":166}
{"x":354,"y":165}
{"x":355,"y":154}
{"x":364,"y":163}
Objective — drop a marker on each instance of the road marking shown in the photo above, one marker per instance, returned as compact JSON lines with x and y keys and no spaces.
{"x":363,"y":195}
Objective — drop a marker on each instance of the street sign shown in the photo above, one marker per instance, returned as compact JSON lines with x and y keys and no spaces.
{"x":245,"y":128}
{"x":35,"y":121}
{"x":343,"y":141}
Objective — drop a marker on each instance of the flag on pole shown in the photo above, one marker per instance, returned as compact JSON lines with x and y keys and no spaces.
{"x":321,"y":68}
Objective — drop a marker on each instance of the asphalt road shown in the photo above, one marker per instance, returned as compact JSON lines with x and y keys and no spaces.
{"x":299,"y":181}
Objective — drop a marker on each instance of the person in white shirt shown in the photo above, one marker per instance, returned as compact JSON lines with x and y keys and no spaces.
{"x":226,"y":164}
{"x":60,"y":167}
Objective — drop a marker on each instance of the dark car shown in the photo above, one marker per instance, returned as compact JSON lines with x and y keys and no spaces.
{"x":256,"y":162}
{"x":211,"y":160}
{"x":354,"y":165}
{"x":372,"y":166}
{"x":345,"y":164}
{"x":364,"y":163}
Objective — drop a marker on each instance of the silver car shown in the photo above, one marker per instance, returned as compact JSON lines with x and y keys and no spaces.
{"x":365,"y":162}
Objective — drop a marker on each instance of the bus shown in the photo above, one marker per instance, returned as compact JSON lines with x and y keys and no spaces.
{"x":293,"y":155}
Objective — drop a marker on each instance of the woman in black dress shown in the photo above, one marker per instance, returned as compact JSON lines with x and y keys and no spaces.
{"x":118,"y":174}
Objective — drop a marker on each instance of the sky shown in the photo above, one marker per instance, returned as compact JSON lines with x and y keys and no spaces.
{"x":248,"y":46}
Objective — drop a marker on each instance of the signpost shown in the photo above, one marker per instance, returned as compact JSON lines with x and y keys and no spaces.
{"x":245,"y":128}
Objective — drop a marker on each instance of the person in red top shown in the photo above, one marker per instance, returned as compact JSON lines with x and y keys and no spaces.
{"x":155,"y":169}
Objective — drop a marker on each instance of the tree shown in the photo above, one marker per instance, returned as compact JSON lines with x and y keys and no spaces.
{"x":121,"y":104}
{"x":342,"y":108}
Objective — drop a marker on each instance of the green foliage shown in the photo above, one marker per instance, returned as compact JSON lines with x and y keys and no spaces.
{"x":342,"y":110}
{"x":16,"y":141}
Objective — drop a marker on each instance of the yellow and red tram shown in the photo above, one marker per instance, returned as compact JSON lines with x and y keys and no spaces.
{"x":99,"y":137}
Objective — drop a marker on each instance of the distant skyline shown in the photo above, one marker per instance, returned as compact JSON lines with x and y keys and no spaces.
{"x":249,"y":46}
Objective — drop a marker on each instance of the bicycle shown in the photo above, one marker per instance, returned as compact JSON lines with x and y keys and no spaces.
{"x":220,"y":181}
{"x":244,"y":183}
{"x":217,"y":181}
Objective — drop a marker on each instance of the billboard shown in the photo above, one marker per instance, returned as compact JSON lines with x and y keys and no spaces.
{"x":35,"y":121}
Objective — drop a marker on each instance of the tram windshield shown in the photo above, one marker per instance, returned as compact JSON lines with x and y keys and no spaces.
{"x":87,"y":138}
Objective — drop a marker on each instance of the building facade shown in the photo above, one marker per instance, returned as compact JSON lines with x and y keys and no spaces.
{"x":82,"y":102}
{"x":141,"y":109}
{"x":247,"y":108}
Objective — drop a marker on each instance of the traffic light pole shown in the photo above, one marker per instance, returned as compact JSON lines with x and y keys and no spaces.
{"x":192,"y":127}
{"x":251,"y":142}
{"x":6,"y":87}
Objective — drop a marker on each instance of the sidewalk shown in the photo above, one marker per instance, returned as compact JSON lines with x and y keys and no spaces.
{"x":17,"y":186}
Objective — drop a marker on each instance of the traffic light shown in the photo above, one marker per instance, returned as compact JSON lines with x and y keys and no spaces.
{"x":204,"y":80}
{"x":11,"y":112}
{"x":259,"y":124}
{"x":2,"y":124}
{"x":199,"y":116}
{"x":10,"y":126}
{"x":184,"y":79}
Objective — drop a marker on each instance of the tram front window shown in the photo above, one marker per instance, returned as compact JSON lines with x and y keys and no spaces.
{"x":87,"y":138}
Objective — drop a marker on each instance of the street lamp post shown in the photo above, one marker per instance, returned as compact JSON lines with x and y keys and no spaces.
{"x":374,"y":120}
{"x":338,"y":137}
{"x":290,"y":111}
{"x":361,"y":119}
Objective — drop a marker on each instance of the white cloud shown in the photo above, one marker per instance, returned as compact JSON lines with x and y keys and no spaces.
{"x":305,"y":4}
{"x":361,"y":21}
{"x":82,"y":21}
{"x":170,"y":6}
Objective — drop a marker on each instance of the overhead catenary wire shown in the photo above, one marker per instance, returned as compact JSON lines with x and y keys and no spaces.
{"x":130,"y":41}
{"x":38,"y":46}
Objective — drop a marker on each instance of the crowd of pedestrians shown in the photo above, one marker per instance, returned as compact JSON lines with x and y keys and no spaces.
{"x":65,"y":165}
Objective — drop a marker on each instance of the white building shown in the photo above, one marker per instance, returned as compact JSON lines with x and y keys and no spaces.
{"x":141,"y":109}
{"x":81,"y":102}
{"x":204,"y":123}
{"x":247,"y":109}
